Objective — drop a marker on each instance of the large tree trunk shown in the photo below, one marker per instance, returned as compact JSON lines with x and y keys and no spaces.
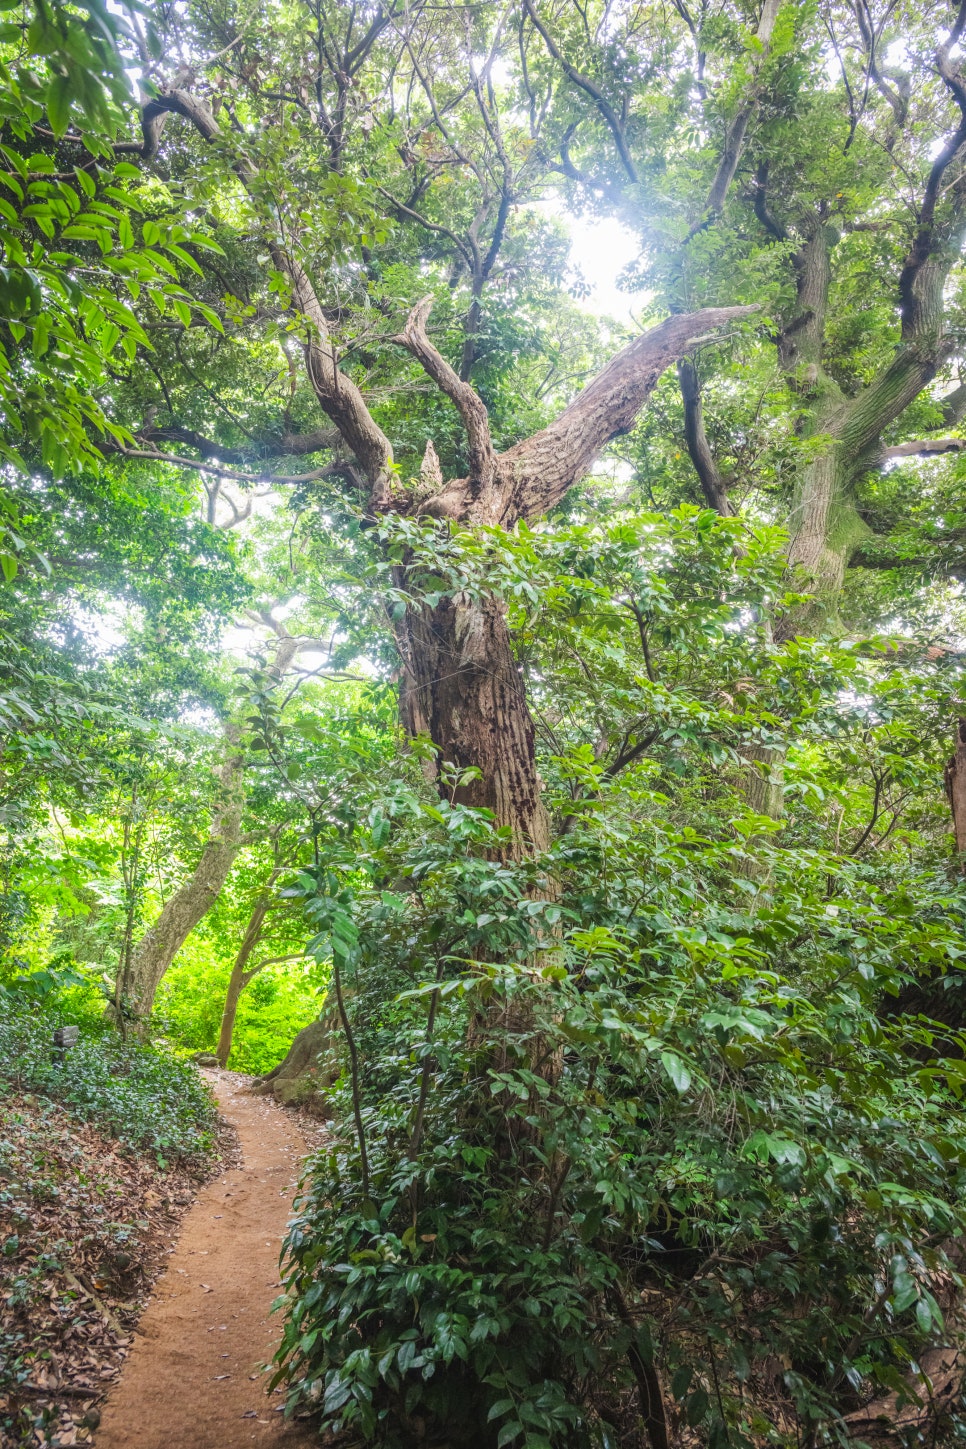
{"x":141,"y":973}
{"x":463,"y":688}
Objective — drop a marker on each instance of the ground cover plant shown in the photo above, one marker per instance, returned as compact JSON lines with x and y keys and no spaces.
{"x":100,"y":1153}
{"x":149,"y":1101}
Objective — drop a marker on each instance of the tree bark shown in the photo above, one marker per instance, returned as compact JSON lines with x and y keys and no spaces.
{"x":142,"y":972}
{"x":712,"y":484}
{"x":240,"y":977}
{"x":955,"y":779}
{"x":462,"y":687}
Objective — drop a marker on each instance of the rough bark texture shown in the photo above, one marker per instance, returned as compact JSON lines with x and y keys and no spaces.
{"x":764,"y":782}
{"x":765,"y":785}
{"x":141,"y":974}
{"x":307,"y":1071}
{"x":463,"y":689}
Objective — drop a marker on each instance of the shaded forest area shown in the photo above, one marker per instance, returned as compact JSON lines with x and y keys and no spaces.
{"x":553,"y":723}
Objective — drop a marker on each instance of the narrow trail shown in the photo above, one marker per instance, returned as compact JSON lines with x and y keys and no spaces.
{"x":193,"y":1378}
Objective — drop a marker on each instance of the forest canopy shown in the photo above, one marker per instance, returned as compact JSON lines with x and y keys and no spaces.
{"x":562,"y":714}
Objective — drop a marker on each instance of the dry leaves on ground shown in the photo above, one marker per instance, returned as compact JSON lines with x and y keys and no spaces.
{"x":84,"y":1231}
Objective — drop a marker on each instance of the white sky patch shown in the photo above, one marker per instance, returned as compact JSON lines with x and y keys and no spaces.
{"x":602,"y":247}
{"x":106,"y":629}
{"x":238,"y":640}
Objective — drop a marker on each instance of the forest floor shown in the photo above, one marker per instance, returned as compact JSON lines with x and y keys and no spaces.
{"x":194,"y":1377}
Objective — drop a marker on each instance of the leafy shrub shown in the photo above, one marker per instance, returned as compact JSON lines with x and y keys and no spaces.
{"x":143,"y":1095}
{"x":658,"y":1131}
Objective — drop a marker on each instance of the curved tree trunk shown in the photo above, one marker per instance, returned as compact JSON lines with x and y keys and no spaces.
{"x":141,"y":973}
{"x":240,"y":978}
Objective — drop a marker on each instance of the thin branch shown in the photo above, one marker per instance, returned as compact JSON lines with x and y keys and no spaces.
{"x":590,"y":88}
{"x":204,"y":466}
{"x":288,"y":445}
{"x":467,"y":402}
{"x":761,"y":206}
{"x":880,"y":781}
{"x":407,"y":211}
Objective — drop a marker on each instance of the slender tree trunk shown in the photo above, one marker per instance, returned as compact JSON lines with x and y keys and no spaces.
{"x":956,"y":791}
{"x":138,"y":981}
{"x":764,"y":782}
{"x":240,"y":978}
{"x":462,"y":687}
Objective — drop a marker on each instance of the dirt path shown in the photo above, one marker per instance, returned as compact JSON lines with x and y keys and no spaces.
{"x":193,"y":1378}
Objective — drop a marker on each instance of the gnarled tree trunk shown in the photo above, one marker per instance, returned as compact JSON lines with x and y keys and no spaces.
{"x":463,"y":689}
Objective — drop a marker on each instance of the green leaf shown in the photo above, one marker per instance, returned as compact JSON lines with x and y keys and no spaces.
{"x":58,"y":101}
{"x":676,"y":1070}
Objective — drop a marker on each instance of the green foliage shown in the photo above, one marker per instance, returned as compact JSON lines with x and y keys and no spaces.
{"x":80,"y":245}
{"x":142,"y":1095}
{"x":271,"y":1012}
{"x":672,"y":1114}
{"x":654,"y":1090}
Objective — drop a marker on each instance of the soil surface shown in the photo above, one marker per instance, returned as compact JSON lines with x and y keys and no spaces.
{"x":194,"y":1378}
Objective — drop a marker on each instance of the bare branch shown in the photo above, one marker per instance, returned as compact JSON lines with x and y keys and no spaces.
{"x":761,"y":205}
{"x":735,"y":137}
{"x":288,"y":445}
{"x":535,"y":475}
{"x":466,"y":401}
{"x":543,"y":467}
{"x":407,"y":211}
{"x":203,"y":466}
{"x":920,"y":448}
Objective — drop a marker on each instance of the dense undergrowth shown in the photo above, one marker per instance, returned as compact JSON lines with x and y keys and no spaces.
{"x":657,"y":1150}
{"x":142,"y":1094}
